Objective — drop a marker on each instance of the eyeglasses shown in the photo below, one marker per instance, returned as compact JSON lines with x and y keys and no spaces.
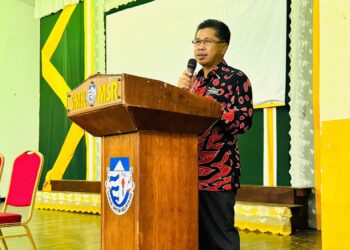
{"x":205,"y":42}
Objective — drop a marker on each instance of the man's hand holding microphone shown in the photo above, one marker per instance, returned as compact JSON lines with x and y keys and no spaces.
{"x":188,"y":77}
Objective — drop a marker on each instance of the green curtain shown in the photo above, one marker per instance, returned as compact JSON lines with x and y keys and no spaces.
{"x":251,"y":148}
{"x":283,"y":146}
{"x":54,"y":125}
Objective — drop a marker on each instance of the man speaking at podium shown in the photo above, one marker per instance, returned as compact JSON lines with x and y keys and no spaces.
{"x":218,"y":155}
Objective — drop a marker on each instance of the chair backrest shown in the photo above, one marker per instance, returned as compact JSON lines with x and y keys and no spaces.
{"x":2,"y":162}
{"x":24,"y":180}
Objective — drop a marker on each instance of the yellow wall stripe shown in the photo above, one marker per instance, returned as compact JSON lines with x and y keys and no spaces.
{"x":270,"y":173}
{"x":58,"y":30}
{"x":50,"y":73}
{"x":54,"y":79}
{"x":89,"y":70}
{"x":71,"y":142}
{"x":90,"y":157}
{"x":271,"y":146}
{"x":335,"y":184}
{"x":316,"y":107}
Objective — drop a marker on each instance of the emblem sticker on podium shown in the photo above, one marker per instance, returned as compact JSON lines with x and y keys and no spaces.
{"x":119,"y":184}
{"x":92,"y":93}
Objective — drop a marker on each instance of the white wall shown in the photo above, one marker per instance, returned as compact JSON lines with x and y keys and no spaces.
{"x":154,"y":40}
{"x":19,"y":93}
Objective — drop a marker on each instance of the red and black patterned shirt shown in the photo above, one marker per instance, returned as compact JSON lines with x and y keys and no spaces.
{"x":218,"y":154}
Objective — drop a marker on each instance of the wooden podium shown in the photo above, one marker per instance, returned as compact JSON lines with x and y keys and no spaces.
{"x":149,"y":158}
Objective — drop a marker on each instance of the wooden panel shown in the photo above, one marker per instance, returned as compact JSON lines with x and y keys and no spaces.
{"x":76,"y":186}
{"x":169,"y":191}
{"x":115,"y":229}
{"x":280,"y":195}
{"x":159,"y":120}
{"x":163,"y":214}
{"x":106,"y":121}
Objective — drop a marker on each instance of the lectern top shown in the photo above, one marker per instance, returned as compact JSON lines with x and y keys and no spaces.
{"x":121,"y":103}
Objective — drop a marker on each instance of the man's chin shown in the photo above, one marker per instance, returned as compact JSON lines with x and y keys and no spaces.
{"x":203,"y":63}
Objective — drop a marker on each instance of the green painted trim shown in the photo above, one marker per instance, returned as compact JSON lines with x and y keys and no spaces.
{"x":283,"y":146}
{"x":251,"y":146}
{"x":128,"y":5}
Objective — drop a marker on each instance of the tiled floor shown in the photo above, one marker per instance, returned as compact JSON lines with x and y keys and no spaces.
{"x":64,"y":230}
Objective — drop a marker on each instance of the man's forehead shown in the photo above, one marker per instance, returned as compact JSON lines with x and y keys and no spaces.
{"x":207,"y":33}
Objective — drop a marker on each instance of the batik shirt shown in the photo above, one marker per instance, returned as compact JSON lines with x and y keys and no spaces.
{"x":218,"y":154}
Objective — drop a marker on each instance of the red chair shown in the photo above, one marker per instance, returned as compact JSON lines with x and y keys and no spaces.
{"x":19,"y":204}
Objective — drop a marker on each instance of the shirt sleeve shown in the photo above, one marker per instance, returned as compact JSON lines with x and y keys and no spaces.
{"x":238,"y":108}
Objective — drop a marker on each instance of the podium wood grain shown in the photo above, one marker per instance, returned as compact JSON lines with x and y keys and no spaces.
{"x":163,"y":214}
{"x":156,"y":125}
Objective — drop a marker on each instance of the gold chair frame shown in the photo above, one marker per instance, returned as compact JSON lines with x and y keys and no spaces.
{"x":23,"y":223}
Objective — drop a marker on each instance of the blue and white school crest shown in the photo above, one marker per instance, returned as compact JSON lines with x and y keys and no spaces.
{"x":91,"y":97}
{"x":119,"y":185}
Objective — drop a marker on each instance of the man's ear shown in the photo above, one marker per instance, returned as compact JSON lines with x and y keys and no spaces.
{"x":224,"y":49}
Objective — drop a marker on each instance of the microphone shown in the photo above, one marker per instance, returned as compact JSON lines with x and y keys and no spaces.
{"x":191,"y":65}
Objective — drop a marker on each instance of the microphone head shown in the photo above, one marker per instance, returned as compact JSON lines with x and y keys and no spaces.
{"x":191,"y":65}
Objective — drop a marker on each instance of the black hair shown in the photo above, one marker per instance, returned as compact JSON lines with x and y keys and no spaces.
{"x":222,"y":30}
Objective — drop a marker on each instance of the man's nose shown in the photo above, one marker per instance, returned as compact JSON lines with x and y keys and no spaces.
{"x":201,"y":47}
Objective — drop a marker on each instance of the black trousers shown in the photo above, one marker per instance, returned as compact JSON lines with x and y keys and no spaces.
{"x":216,"y":221}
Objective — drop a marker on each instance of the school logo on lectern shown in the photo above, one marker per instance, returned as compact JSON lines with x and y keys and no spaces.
{"x":92,"y":93}
{"x":119,"y":185}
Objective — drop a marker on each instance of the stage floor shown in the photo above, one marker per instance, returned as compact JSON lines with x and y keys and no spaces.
{"x":66,"y":230}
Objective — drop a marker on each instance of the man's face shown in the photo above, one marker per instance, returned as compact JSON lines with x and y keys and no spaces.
{"x":208,"y":49}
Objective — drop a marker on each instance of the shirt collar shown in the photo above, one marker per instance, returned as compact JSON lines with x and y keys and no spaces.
{"x":216,"y":70}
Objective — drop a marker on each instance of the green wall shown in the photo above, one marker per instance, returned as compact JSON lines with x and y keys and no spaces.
{"x":19,"y":94}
